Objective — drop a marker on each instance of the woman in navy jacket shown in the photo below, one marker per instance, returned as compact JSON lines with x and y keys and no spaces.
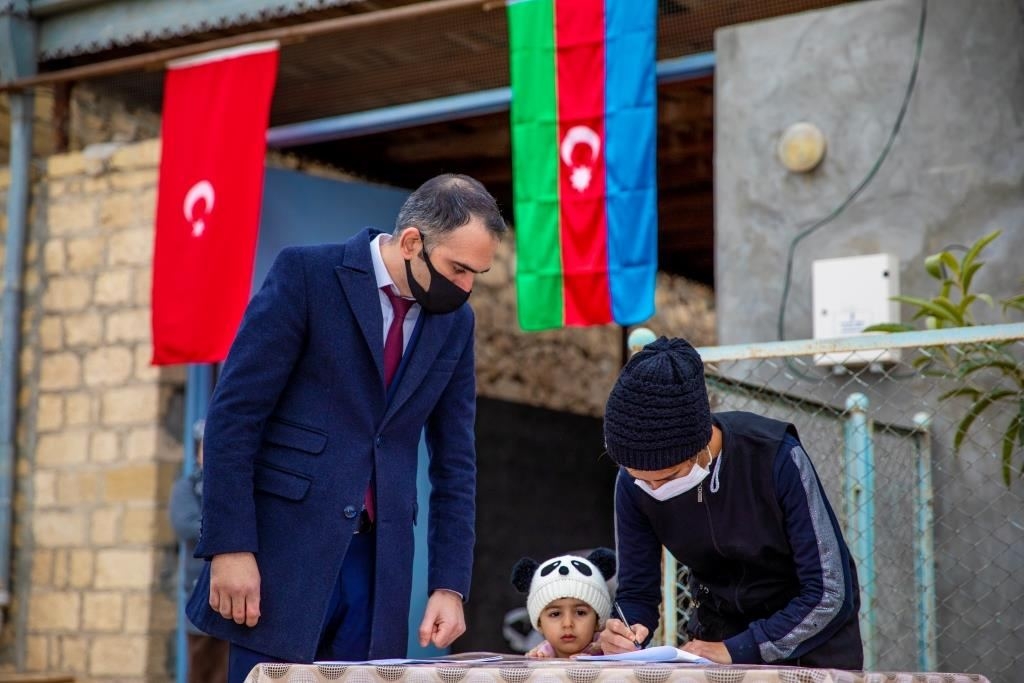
{"x":734,"y":497}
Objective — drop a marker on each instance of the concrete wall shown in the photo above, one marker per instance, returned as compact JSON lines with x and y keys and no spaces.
{"x":955,"y":172}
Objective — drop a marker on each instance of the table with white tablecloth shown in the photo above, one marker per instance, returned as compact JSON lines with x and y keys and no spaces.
{"x":518,"y":670}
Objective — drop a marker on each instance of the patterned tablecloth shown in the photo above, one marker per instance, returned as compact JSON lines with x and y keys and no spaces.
{"x":535,"y":671}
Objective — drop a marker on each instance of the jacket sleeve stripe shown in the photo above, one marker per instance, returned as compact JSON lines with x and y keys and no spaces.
{"x":829,"y":570}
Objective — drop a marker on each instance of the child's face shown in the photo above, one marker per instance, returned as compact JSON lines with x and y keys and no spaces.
{"x":569,"y":625}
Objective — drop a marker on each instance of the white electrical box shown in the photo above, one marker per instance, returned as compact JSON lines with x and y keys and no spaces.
{"x":850,"y":294}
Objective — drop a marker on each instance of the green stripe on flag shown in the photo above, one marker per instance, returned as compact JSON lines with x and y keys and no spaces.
{"x":535,"y":164}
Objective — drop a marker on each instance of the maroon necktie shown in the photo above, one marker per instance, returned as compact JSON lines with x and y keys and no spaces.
{"x":392,"y":357}
{"x":393,"y":342}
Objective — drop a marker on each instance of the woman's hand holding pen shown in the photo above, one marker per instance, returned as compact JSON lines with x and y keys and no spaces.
{"x":618,"y":637}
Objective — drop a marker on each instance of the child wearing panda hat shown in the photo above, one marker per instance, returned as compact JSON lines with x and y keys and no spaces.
{"x":568,"y":600}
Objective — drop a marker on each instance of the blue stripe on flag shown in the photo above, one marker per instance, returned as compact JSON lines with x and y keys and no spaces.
{"x":630,"y":162}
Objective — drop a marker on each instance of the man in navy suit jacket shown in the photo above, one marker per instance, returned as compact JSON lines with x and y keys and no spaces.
{"x":302,"y":424}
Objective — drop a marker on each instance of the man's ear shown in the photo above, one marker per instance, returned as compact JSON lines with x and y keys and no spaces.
{"x":409,"y":241}
{"x":522,"y":573}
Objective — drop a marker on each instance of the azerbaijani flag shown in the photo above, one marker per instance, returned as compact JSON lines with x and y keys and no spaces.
{"x":583,"y":139}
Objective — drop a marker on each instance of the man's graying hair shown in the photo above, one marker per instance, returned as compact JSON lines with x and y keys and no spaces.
{"x":447,"y":202}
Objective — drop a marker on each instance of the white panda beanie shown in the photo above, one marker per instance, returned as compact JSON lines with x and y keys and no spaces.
{"x":568,"y":576}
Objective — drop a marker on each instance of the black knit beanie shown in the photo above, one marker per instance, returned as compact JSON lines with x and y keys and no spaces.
{"x":658,"y":413}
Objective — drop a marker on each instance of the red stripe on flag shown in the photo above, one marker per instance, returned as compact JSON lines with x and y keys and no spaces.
{"x":208,"y":202}
{"x":579,"y":36}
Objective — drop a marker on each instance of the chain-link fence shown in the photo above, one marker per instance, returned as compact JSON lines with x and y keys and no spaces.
{"x":910,"y":443}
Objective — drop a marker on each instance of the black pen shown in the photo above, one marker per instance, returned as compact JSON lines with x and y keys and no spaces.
{"x":622,"y":618}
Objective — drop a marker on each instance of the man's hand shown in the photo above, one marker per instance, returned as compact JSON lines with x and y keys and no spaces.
{"x":443,"y":620}
{"x":617,"y":637}
{"x":235,"y":587}
{"x":715,"y":651}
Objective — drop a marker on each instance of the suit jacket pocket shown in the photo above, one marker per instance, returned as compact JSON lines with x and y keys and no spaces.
{"x":295,"y":436}
{"x":279,"y":482}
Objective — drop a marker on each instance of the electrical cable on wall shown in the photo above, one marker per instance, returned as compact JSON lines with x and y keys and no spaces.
{"x":822,"y":222}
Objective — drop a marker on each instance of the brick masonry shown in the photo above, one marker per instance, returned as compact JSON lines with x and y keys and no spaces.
{"x":94,"y":556}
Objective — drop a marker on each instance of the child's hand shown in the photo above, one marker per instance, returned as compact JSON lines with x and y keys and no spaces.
{"x":539,"y":652}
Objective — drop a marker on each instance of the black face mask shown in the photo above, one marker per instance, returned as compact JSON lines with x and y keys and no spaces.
{"x":442,"y":295}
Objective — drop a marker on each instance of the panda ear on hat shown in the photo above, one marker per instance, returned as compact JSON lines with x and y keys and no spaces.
{"x":604,"y":560}
{"x":522,"y":573}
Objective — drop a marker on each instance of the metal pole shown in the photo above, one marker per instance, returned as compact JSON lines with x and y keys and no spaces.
{"x":396,"y":117}
{"x":669,"y":599}
{"x":17,"y":58}
{"x":18,"y":194}
{"x":282,"y":34}
{"x":197,"y":398}
{"x":450,"y":108}
{"x":859,"y":499}
{"x":924,"y":545}
{"x":864,"y":342}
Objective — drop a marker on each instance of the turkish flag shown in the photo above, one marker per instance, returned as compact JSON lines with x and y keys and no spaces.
{"x":216,"y":109}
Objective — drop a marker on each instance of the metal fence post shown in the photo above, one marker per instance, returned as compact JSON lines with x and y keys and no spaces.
{"x":198,"y":385}
{"x":859,"y":498}
{"x":669,"y":606}
{"x":924,"y":548}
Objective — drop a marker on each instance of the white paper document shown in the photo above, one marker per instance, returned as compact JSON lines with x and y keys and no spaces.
{"x":403,"y":662}
{"x":659,"y":653}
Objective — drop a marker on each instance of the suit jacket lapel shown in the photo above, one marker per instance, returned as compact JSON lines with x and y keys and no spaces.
{"x":432,"y":338}
{"x":360,"y":285}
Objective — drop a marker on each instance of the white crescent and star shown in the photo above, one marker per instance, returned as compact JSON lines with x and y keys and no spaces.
{"x":581,"y":173}
{"x":202,"y":191}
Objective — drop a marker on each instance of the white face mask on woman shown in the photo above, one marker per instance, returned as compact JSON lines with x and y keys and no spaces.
{"x":680,"y":485}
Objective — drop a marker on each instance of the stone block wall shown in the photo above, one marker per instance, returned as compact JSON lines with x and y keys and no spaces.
{"x":88,"y":117}
{"x":42,"y":116}
{"x":94,"y":556}
{"x":571,"y":369}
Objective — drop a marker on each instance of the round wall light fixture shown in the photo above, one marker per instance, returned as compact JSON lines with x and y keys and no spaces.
{"x":801,"y":147}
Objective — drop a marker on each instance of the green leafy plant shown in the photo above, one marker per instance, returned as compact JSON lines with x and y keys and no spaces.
{"x":954,"y":307}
